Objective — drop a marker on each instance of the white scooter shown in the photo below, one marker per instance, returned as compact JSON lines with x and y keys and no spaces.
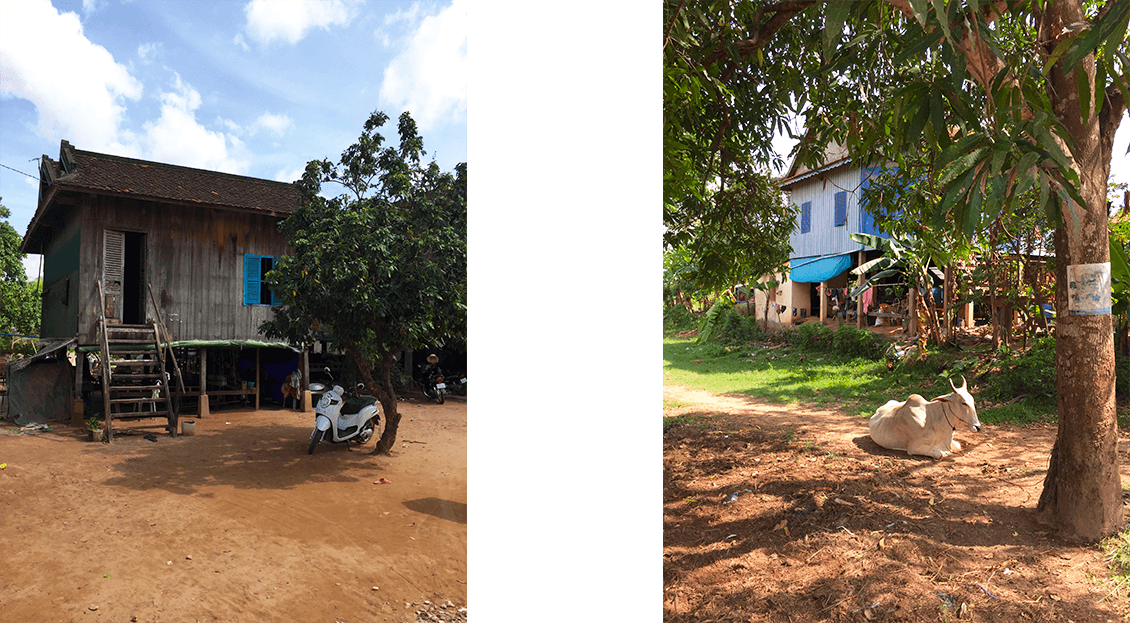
{"x":340,"y":420}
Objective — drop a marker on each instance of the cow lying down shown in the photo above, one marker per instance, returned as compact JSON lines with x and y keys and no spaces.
{"x":925,"y":427}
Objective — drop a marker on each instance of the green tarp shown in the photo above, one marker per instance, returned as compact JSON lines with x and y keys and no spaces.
{"x":211,"y":344}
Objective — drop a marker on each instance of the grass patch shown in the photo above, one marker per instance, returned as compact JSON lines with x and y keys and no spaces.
{"x":1116,"y":552}
{"x":789,"y":373}
{"x":686,"y":420}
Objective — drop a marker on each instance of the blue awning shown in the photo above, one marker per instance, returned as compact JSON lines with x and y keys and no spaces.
{"x":818,"y":269}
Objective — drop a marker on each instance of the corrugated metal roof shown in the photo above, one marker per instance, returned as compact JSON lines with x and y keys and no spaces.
{"x":792,"y":181}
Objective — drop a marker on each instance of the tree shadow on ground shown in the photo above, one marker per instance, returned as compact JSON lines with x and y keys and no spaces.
{"x":249,"y":453}
{"x":444,"y":509}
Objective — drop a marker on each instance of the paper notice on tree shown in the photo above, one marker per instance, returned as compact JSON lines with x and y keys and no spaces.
{"x":1088,"y":289}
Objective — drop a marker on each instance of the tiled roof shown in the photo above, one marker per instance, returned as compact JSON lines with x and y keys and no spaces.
{"x":155,"y":180}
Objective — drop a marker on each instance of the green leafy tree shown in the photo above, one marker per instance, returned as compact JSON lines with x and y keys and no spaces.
{"x":19,"y":298}
{"x":1006,"y":97}
{"x":720,"y":204}
{"x":382,"y":268}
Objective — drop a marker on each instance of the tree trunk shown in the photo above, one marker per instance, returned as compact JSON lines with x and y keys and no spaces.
{"x":386,"y":394}
{"x":765,"y":325}
{"x":859,"y":321}
{"x":1082,"y":496}
{"x":991,"y":266}
{"x":947,"y":302}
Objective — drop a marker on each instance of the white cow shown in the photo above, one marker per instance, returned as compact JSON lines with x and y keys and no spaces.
{"x":925,"y":427}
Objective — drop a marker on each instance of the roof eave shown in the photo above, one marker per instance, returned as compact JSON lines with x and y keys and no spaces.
{"x":788,"y":182}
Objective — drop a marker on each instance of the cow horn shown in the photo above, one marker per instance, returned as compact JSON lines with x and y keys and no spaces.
{"x":964,"y":385}
{"x":952,"y":385}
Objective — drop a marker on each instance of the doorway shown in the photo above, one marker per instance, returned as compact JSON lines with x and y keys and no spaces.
{"x":124,"y":276}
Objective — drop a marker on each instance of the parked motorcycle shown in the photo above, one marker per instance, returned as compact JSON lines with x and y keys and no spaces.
{"x":430,"y":379}
{"x":317,"y":388}
{"x":341,"y":420}
{"x":457,"y":384}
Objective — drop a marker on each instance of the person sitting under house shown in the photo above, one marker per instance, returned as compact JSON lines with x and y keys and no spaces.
{"x":290,"y":389}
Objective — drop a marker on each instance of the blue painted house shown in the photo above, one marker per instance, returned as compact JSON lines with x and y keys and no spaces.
{"x":830,"y":206}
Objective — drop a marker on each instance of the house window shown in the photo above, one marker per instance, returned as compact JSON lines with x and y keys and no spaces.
{"x":806,"y":217}
{"x":255,"y":288}
{"x":841,"y":208}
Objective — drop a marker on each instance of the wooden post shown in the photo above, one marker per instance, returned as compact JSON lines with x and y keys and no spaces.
{"x":304,"y":391}
{"x":969,"y":315}
{"x":203,"y":397}
{"x":859,"y":321}
{"x":77,"y":408}
{"x":912,"y":311}
{"x":258,"y":388}
{"x":823,"y":302}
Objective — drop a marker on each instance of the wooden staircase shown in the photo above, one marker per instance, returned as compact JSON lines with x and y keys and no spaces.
{"x":134,"y":382}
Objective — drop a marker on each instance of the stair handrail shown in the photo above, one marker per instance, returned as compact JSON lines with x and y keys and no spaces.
{"x":105,"y":363}
{"x":165,"y":335}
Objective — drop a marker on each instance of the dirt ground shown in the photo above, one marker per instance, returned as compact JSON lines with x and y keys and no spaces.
{"x":236,"y":523}
{"x":777,"y":513}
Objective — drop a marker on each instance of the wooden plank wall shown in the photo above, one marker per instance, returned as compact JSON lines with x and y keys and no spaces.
{"x":61,"y":279}
{"x":194,"y":262}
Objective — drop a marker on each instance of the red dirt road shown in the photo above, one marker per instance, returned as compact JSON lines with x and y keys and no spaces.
{"x":236,"y":523}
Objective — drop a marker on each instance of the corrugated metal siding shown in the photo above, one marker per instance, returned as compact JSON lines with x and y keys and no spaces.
{"x":825,"y":238}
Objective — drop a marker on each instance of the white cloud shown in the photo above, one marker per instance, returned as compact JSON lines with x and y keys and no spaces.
{"x":289,"y":21}
{"x":148,"y":51}
{"x":89,"y":6}
{"x":429,"y":77}
{"x":275,"y":124}
{"x":290,"y":175}
{"x":176,"y":137}
{"x":409,"y":17}
{"x":86,"y":105}
{"x":241,"y":42}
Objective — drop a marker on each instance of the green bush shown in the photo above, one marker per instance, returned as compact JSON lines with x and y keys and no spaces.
{"x":861,"y":343}
{"x":847,"y":341}
{"x":739,"y":330}
{"x":677,"y":318}
{"x":1030,"y":374}
{"x":1121,"y":377}
{"x":812,"y":336}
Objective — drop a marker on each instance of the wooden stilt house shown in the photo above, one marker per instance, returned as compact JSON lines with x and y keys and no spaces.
{"x":144,"y":259}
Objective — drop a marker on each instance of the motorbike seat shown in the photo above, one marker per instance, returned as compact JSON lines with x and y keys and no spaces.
{"x":354,"y":405}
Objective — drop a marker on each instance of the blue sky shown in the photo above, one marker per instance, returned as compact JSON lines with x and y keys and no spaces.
{"x":250,"y":87}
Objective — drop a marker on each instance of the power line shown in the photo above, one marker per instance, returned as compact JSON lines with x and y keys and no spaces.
{"x":20,"y":172}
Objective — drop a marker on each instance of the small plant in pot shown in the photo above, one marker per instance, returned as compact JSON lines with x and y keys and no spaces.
{"x":94,"y":428}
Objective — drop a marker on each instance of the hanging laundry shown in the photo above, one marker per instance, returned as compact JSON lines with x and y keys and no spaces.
{"x":866,"y":298}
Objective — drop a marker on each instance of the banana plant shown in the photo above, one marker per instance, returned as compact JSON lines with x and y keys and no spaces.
{"x":894,"y":254}
{"x":911,"y":256}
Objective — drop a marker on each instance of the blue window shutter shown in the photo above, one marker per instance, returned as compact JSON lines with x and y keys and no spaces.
{"x":252,"y":280}
{"x":841,"y":208}
{"x":274,"y":297}
{"x":806,"y":217}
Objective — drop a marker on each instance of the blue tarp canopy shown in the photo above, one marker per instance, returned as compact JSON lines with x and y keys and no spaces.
{"x":818,"y":269}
